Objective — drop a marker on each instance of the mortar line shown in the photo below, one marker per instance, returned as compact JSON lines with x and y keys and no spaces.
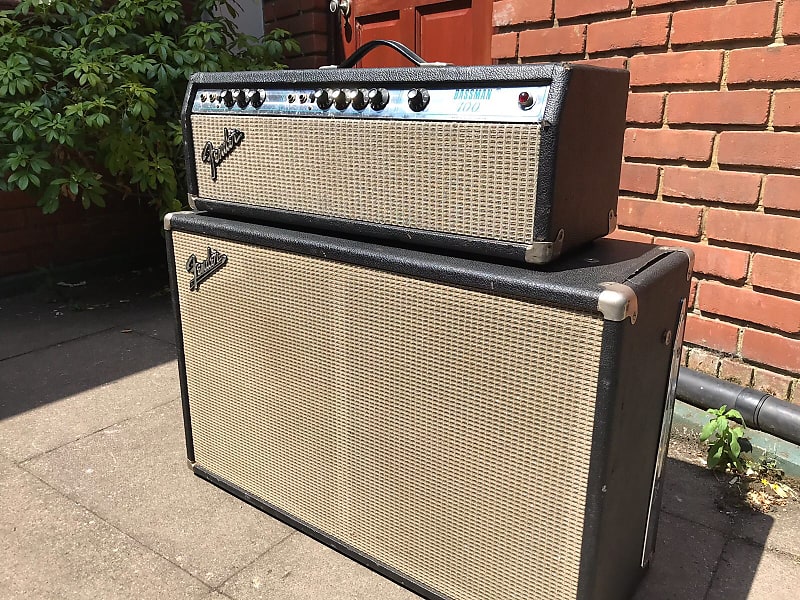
{"x":56,"y":344}
{"x":86,"y":435}
{"x":115,"y":528}
{"x":715,"y":570}
{"x":259,"y":557}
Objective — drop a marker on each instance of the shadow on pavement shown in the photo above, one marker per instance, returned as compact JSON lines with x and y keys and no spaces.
{"x":700,"y":554}
{"x":62,"y":340}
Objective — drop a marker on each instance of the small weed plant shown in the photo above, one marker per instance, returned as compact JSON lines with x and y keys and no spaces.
{"x":725,"y":439}
{"x":90,"y":93}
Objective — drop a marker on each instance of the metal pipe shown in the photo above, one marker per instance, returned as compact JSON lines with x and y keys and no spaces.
{"x":759,"y":410}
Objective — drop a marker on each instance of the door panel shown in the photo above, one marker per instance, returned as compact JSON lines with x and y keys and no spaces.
{"x":395,"y":25}
{"x":447,"y":32}
{"x":455,"y":31}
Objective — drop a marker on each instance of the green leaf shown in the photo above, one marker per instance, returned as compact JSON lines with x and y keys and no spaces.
{"x":715,"y":455}
{"x":707,"y":430}
{"x":735,"y":448}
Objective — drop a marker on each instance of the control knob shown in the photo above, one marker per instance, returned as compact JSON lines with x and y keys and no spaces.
{"x":418,"y":99}
{"x":341,"y":99}
{"x":242,"y":99}
{"x":256,"y":99}
{"x":228,"y":99}
{"x":378,"y":98}
{"x":360,"y":99}
{"x":324,"y":100}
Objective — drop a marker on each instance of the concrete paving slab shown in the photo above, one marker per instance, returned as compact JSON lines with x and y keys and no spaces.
{"x":134,"y":476}
{"x":53,"y":396}
{"x":41,"y":319}
{"x":777,"y":530}
{"x":692,"y":492}
{"x":302,"y":569}
{"x":684,"y":561}
{"x":160,"y":325}
{"x":748,"y":572}
{"x":51,"y":548}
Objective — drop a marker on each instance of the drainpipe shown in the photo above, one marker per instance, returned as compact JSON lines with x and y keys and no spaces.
{"x":759,"y":410}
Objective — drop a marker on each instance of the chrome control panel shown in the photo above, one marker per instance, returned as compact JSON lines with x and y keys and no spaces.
{"x":524,"y":104}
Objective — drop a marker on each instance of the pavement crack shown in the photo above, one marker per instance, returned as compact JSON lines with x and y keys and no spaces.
{"x":96,"y":431}
{"x":256,"y":559}
{"x":137,"y":542}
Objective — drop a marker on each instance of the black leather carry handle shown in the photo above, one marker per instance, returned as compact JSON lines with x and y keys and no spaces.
{"x":397,"y":46}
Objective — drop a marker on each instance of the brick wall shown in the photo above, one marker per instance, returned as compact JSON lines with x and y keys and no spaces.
{"x":31,"y":240}
{"x":309,"y":22}
{"x":711,"y":156}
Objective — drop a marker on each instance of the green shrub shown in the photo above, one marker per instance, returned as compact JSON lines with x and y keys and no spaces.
{"x":91,"y":92}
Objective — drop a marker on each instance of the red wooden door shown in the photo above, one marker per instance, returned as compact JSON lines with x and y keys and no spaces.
{"x":454,"y":31}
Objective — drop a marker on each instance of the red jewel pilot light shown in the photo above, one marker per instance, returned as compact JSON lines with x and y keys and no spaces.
{"x":525,"y":100}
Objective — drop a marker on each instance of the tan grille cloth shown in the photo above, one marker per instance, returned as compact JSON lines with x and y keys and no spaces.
{"x":442,"y":431}
{"x":475,"y":179}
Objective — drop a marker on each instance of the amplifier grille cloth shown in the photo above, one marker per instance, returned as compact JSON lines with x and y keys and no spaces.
{"x":420,"y":423}
{"x":475,"y":179}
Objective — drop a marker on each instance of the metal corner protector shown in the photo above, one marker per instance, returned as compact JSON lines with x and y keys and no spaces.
{"x":688,"y":252}
{"x":618,"y":302}
{"x":192,"y":201}
{"x":539,"y":253}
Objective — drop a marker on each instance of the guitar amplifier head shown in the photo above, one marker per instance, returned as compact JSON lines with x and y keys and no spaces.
{"x":515,"y":161}
{"x":471,"y":430}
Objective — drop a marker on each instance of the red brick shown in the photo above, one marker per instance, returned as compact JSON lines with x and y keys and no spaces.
{"x":775,"y":273}
{"x":703,"y":361}
{"x":512,"y":12}
{"x":569,"y":39}
{"x":645,"y":108}
{"x":278,"y":9}
{"x":747,"y":305}
{"x":749,"y":107}
{"x":725,"y":263}
{"x":18,"y":262}
{"x":736,"y":372}
{"x":633,"y":32}
{"x":771,"y":349}
{"x":611,"y":62}
{"x":504,"y":45}
{"x":740,"y":22}
{"x":679,"y":219}
{"x":697,"y":66}
{"x":630,"y":236}
{"x":791,"y":18}
{"x":692,"y":293}
{"x":16,"y":199}
{"x":639,"y":178}
{"x":787,"y":109}
{"x":312,"y":43}
{"x":647,"y":3}
{"x":772,"y":383}
{"x":711,"y":333}
{"x":714,"y":186}
{"x":760,"y":148}
{"x":782,"y":191}
{"x":12,"y":219}
{"x":306,"y":22}
{"x":754,"y":229}
{"x":775,"y":63}
{"x":566,"y":9}
{"x":668,"y":144}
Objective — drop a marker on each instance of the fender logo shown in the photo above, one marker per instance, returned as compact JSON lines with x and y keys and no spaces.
{"x":203,"y":269}
{"x":232,"y":139}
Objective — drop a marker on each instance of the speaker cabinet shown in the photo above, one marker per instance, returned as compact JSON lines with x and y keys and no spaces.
{"x":512,"y":161}
{"x":471,"y":430}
